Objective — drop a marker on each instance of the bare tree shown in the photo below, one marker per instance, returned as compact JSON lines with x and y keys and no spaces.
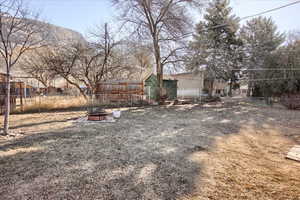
{"x":110,"y":57}
{"x":19,"y":33}
{"x":64,"y":62}
{"x":139,"y":58}
{"x":142,"y":59}
{"x":34,"y":65}
{"x":164,"y":23}
{"x":86,"y":64}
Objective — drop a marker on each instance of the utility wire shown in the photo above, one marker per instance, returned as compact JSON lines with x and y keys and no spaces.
{"x":272,"y":69}
{"x":266,"y":79}
{"x":258,"y":14}
{"x":271,"y":10}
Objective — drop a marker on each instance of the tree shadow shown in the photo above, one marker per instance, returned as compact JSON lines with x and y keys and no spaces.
{"x":145,"y":155}
{"x":42,"y":123}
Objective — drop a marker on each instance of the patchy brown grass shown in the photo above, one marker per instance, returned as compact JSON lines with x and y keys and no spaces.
{"x":48,"y":103}
{"x":218,"y":151}
{"x":22,"y":125}
{"x":250,"y":165}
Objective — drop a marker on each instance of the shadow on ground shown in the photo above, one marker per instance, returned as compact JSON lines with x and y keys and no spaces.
{"x":145,"y":155}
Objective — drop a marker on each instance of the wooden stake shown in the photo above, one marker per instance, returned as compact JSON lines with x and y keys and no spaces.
{"x":21,"y":97}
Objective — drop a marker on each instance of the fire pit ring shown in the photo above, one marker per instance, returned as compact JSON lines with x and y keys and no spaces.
{"x":100,"y":116}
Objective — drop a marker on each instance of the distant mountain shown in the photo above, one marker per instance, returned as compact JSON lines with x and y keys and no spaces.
{"x":52,"y":33}
{"x":56,"y":35}
{"x":59,"y":34}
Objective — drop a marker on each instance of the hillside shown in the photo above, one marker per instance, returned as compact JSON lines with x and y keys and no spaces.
{"x":56,"y":36}
{"x":59,"y":34}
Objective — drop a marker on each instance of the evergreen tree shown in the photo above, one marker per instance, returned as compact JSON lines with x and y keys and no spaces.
{"x":282,"y":75}
{"x":260,"y":38}
{"x":216,"y":43}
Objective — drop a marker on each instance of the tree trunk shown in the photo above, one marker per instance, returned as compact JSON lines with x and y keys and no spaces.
{"x":159,"y":70}
{"x":230,"y":88}
{"x":160,"y":83}
{"x":7,"y":104}
{"x":249,"y":89}
{"x":81,"y":91}
{"x":210,"y":87}
{"x":250,"y":86}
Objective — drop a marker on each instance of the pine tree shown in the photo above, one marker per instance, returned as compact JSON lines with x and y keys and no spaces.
{"x":282,"y":75}
{"x":260,"y":38}
{"x":216,"y":43}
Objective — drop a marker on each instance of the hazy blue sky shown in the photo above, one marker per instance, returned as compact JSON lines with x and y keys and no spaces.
{"x":80,"y":15}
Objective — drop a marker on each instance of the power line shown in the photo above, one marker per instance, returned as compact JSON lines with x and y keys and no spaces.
{"x":271,"y":10}
{"x":272,"y":69}
{"x":267,"y":79}
{"x":257,"y":14}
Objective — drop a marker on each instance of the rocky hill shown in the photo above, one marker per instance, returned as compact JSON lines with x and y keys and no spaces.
{"x":56,"y":35}
{"x":60,"y":34}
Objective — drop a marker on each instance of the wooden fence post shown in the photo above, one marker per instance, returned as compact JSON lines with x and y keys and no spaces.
{"x":21,"y":96}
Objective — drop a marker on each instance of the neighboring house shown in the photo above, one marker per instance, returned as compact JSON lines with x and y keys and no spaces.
{"x":215,"y":87}
{"x":24,"y":90}
{"x":220,"y":87}
{"x":3,"y":77}
{"x":190,"y":85}
{"x":244,"y":90}
{"x":23,"y":85}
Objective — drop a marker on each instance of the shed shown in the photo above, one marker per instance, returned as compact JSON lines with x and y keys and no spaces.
{"x":190,"y":84}
{"x":152,"y":89}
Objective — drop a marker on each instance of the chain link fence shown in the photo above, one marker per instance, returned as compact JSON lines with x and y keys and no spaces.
{"x":42,"y":103}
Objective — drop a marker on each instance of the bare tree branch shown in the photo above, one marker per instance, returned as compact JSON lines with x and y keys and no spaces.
{"x":164,"y":23}
{"x":20,"y":32}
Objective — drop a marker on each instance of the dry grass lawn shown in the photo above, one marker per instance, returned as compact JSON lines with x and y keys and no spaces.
{"x":49,"y":103}
{"x":224,"y":151}
{"x":249,"y":165}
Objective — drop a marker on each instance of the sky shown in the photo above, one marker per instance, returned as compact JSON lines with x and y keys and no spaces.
{"x":83,"y":15}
